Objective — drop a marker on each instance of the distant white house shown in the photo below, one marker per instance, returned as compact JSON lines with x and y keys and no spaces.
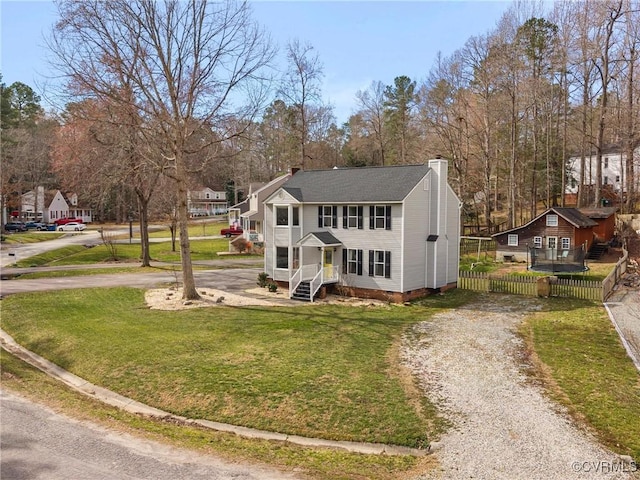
{"x":376,"y":232}
{"x":50,"y":205}
{"x":614,"y":171}
{"x":206,"y":202}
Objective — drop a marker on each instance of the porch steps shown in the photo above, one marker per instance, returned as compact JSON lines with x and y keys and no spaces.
{"x":303,"y":292}
{"x":597,"y":250}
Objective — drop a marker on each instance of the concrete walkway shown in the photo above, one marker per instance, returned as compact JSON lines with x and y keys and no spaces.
{"x":132,"y":406}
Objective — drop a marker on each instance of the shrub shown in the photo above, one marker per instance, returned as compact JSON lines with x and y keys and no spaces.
{"x":263,"y":279}
{"x":241,"y":245}
{"x":273,"y":287}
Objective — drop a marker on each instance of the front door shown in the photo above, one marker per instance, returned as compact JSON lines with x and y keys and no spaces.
{"x":328,"y":263}
{"x":552,"y":247}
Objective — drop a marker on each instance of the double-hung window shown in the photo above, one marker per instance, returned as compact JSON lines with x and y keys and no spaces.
{"x":512,"y":240}
{"x":565,"y":243}
{"x":552,"y":220}
{"x":282,"y":257}
{"x":379,"y":263}
{"x":352,"y":261}
{"x":327,"y":216}
{"x":537,"y":242}
{"x":282,"y":216}
{"x":380,"y":217}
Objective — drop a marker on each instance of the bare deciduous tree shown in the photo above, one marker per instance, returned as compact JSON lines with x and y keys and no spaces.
{"x":301,"y":89}
{"x":183,"y":64}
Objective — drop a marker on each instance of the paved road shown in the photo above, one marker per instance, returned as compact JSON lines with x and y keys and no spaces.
{"x":38,"y":443}
{"x":231,"y":280}
{"x":11,"y":253}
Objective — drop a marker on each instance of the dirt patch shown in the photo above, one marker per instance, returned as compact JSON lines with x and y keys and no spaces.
{"x":170,"y":298}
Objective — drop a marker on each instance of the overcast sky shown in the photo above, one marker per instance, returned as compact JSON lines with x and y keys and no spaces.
{"x":357,"y":41}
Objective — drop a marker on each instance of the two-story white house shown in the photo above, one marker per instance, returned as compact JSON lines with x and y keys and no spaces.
{"x":390,"y":233}
{"x":614,"y":171}
{"x":206,"y":202}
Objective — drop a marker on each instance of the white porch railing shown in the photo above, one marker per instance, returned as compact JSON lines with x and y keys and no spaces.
{"x":331,"y":273}
{"x":316,"y":283}
{"x":294,"y":281}
{"x":316,"y":275}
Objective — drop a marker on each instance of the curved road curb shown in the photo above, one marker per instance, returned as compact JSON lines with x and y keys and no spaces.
{"x":132,"y":406}
{"x":630,"y":351}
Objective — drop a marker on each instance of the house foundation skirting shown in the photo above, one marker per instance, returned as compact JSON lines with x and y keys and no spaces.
{"x":384,"y":295}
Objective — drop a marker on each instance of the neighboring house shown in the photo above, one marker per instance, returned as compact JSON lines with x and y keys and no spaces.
{"x":377,"y":232}
{"x":614,"y":171}
{"x":77,"y":211}
{"x":207,"y":202}
{"x":32,"y":204}
{"x":52,"y":205}
{"x":560,"y":234}
{"x":249,"y":214}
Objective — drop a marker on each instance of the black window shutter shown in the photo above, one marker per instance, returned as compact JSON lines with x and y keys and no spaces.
{"x":372,"y":217}
{"x":387,"y":214}
{"x":371,"y":263}
{"x":345,"y":212}
{"x":387,"y":264}
{"x":359,"y":262}
{"x":334,"y":217}
{"x":360,"y":215}
{"x":320,"y":225}
{"x":344,"y":260}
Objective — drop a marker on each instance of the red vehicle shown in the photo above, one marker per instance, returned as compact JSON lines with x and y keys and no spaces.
{"x":233,"y":230}
{"x":64,"y":221}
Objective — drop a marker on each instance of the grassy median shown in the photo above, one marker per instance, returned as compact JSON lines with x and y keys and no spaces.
{"x":577,"y":354}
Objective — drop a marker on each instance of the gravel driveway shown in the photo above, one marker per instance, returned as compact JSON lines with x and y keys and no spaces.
{"x":503,"y":425}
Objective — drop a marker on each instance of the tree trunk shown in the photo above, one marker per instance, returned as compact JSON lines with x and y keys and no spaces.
{"x":189,"y":291}
{"x":143,"y":212}
{"x":630,"y":174}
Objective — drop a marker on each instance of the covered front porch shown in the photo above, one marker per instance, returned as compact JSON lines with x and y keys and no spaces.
{"x":319,"y":264}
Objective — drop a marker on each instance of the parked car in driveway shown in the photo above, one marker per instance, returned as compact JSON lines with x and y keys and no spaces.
{"x":64,"y":221}
{"x":231,"y":231}
{"x":72,"y":227}
{"x":15,"y":227}
{"x":35,"y":226}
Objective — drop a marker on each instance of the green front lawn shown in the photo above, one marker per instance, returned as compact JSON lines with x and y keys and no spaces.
{"x":578,"y":355}
{"x":161,"y":252}
{"x":325,"y":372}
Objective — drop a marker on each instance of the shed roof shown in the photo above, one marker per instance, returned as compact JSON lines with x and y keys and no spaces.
{"x":363,"y":184}
{"x":571,"y":215}
{"x":603,"y":212}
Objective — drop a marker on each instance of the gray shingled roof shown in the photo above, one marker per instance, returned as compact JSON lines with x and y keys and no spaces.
{"x":326,"y":237}
{"x":364,"y":184}
{"x":602,"y":212}
{"x":573,"y":216}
